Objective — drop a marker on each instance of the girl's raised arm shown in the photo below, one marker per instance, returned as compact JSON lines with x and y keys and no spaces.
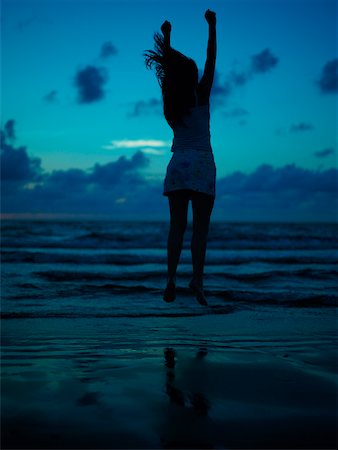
{"x":166,"y":30}
{"x":205,"y":85}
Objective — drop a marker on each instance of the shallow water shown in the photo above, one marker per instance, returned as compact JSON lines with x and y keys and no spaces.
{"x":246,"y":380}
{"x":103,"y":268}
{"x":93,"y":358}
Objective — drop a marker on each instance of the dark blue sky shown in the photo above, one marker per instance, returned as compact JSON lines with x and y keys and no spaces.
{"x":86,"y":114}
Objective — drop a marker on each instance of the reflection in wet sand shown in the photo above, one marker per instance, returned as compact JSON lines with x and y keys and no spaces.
{"x":187,"y":424}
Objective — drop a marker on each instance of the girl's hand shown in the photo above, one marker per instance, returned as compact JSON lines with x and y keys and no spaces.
{"x":210,"y":17}
{"x":166,"y":27}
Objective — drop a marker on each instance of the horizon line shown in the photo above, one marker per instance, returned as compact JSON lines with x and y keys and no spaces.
{"x":126,"y":218}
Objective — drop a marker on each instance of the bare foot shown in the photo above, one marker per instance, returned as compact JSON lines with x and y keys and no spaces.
{"x":198,"y":291}
{"x":170,"y":292}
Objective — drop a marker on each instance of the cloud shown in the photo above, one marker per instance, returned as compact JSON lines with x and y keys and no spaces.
{"x":239,"y":78}
{"x":137,"y":143}
{"x":235,"y":113}
{"x":286,"y":193}
{"x":90,"y":83}
{"x":272,"y":180}
{"x":259,"y":64}
{"x":90,"y":80}
{"x":328,"y":81}
{"x":263,"y":62}
{"x":107,"y":50}
{"x":123,"y":170}
{"x":121,"y":189}
{"x":51,"y":96}
{"x":26,"y":187}
{"x":22,"y":25}
{"x":218,"y":88}
{"x":17,"y":167}
{"x":9,"y":129}
{"x":219,"y":91}
{"x":300,"y":127}
{"x":99,"y":176}
{"x":97,"y":190}
{"x":153,"y":147}
{"x":152,"y":151}
{"x":146,"y":107}
{"x":283,"y":193}
{"x":325,"y":152}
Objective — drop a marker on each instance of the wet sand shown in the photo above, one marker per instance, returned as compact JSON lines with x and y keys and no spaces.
{"x":251,"y":379}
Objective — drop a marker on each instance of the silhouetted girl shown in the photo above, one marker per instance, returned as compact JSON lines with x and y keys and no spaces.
{"x":191,"y":172}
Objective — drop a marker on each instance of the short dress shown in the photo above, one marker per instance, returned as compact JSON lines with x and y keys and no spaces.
{"x":192,"y":164}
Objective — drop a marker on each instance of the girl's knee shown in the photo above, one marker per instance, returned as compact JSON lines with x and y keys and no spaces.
{"x":178,"y":226}
{"x":201,"y":226}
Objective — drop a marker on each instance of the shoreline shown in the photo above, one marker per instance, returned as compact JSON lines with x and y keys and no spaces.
{"x":263,"y":378}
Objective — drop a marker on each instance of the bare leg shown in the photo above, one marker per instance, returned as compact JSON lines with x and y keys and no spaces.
{"x":178,"y":204}
{"x":202,"y":205}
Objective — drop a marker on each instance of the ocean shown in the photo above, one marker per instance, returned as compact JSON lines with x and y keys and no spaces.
{"x":92,"y":357}
{"x":92,"y":268}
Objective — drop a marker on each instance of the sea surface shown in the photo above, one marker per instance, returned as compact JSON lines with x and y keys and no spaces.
{"x":92,"y":268}
{"x":92,"y":357}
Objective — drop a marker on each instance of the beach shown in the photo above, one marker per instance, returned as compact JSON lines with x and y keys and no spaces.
{"x":95,"y":362}
{"x":245,"y":380}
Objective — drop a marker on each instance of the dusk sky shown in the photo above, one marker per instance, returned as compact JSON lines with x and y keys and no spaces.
{"x":83,"y":129}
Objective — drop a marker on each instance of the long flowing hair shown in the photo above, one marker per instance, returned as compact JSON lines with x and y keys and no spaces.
{"x":177,"y":76}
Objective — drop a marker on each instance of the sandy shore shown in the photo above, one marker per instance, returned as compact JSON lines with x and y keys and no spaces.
{"x":250,"y":379}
